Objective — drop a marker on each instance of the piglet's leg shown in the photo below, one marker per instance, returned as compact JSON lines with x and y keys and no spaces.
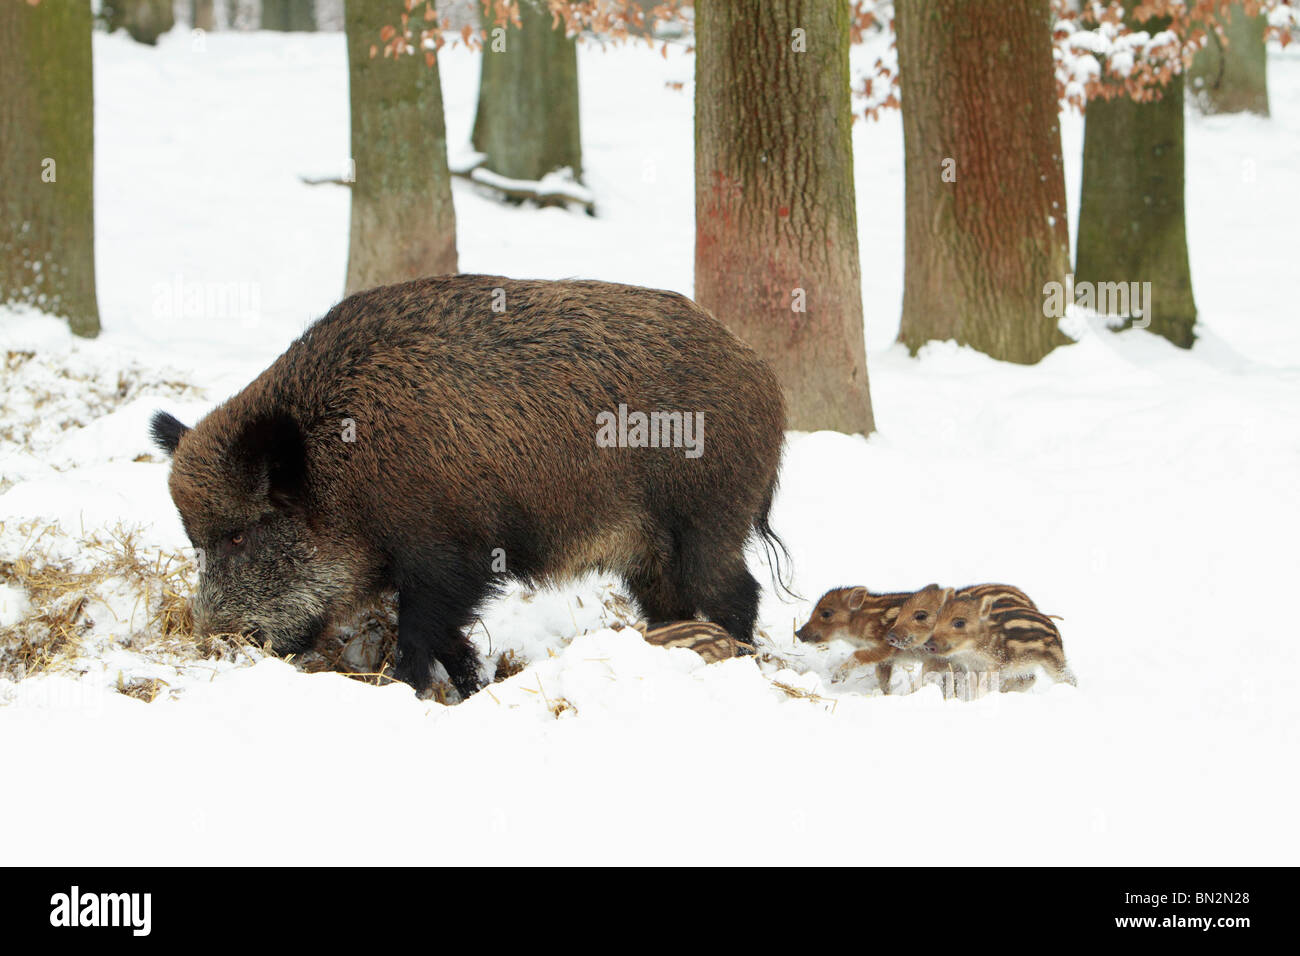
{"x":884,"y":675}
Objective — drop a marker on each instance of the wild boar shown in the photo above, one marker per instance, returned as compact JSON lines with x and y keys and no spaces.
{"x":441,"y":436}
{"x":1010,"y":643}
{"x":856,"y":615}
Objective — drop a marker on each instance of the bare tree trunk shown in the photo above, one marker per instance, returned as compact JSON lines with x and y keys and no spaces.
{"x":289,"y":15}
{"x":776,"y":241}
{"x":527,"y":119}
{"x":403,"y":221}
{"x":1232,"y":79}
{"x":47,"y":146}
{"x":202,"y":15}
{"x":985,"y":187}
{"x":1132,"y":220}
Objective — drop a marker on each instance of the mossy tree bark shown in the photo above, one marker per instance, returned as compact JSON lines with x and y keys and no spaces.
{"x":1132,"y":218}
{"x":986,"y":225}
{"x":776,"y":239}
{"x":527,"y":119}
{"x":47,"y":146}
{"x":1232,"y":78}
{"x":403,"y":221}
{"x":290,"y":15}
{"x":144,"y":20}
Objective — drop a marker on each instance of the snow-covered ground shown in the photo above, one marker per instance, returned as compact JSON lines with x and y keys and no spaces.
{"x":1144,"y":493}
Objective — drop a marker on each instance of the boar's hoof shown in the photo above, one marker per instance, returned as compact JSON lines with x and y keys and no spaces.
{"x":417,"y":670}
{"x":414,"y":669}
{"x":467,"y":686}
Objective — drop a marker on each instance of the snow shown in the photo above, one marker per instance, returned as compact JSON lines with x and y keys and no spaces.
{"x":559,"y":183}
{"x":1144,"y":493}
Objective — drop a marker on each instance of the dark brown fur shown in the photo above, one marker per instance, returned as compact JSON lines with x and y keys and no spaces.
{"x":475,"y":431}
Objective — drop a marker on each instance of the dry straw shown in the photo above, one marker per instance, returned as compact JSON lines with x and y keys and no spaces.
{"x":63,"y":595}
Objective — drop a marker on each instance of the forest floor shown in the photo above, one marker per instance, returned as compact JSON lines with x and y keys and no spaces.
{"x":1145,"y":494}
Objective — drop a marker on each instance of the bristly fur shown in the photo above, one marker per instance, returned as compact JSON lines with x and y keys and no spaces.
{"x":986,"y":635}
{"x":916,"y":618}
{"x":863,"y":619}
{"x":413,"y":438}
{"x":707,"y":640}
{"x":166,"y":431}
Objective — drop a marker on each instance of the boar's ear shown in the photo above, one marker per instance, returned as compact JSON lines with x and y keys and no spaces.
{"x":166,"y":431}
{"x":857,"y":598}
{"x":274,"y":454}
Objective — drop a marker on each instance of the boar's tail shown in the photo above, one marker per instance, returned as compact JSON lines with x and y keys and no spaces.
{"x":778,"y":556}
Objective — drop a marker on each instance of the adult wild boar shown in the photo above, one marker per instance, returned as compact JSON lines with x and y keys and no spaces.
{"x":440,"y":435}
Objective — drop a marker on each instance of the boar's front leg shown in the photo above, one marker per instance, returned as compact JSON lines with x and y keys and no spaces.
{"x":431,"y":622}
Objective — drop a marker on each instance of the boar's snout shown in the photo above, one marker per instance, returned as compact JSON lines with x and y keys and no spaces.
{"x":810,"y":634}
{"x":208,"y":621}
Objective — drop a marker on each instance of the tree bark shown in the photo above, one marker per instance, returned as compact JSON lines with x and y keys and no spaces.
{"x":202,"y":15}
{"x":986,"y":225}
{"x":289,"y":15}
{"x":1132,"y":221}
{"x":47,"y":144}
{"x":776,"y":239}
{"x":527,"y":119}
{"x":403,"y":221}
{"x":1232,"y":79}
{"x":144,"y":20}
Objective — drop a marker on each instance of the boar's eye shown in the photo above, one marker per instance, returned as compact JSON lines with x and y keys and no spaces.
{"x":826,"y":615}
{"x":920,"y":615}
{"x":237,"y":539}
{"x":959,"y":622}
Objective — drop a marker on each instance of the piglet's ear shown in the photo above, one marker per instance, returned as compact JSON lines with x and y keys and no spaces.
{"x":857,"y":598}
{"x":166,"y":431}
{"x":273,"y":452}
{"x":986,"y":606}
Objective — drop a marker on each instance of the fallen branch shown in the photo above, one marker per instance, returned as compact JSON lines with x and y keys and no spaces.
{"x":552,"y":189}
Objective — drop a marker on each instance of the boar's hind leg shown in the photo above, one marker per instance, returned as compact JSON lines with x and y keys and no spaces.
{"x":431,"y":622}
{"x":658,"y":597}
{"x":724,"y":591}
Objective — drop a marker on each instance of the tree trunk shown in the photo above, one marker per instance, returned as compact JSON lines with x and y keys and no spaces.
{"x":144,"y":20}
{"x":776,"y":238}
{"x":1132,"y":225}
{"x":1232,"y":79}
{"x":403,"y":222}
{"x":290,"y":15}
{"x":47,"y":146}
{"x":527,"y":119}
{"x":202,"y":15}
{"x":986,"y":225}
